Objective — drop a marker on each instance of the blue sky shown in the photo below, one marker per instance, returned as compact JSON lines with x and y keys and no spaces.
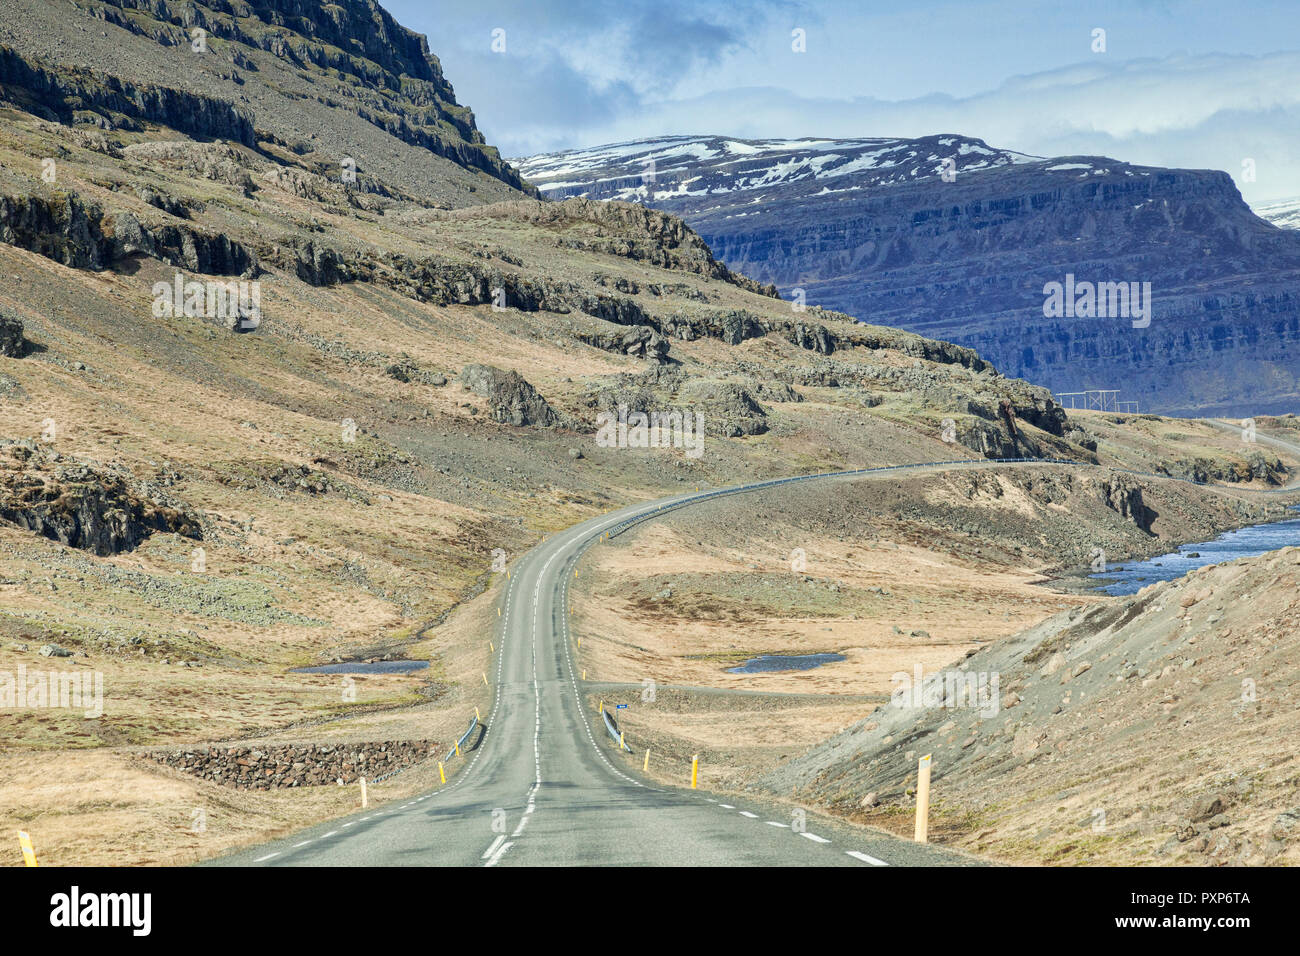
{"x":1180,"y":82}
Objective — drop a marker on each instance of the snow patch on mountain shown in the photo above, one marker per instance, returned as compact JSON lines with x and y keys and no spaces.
{"x":671,"y":167}
{"x":1284,"y":213}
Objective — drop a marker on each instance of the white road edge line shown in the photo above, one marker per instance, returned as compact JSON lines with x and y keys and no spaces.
{"x":493,"y":848}
{"x":865,"y":858}
{"x":496,"y":858}
{"x":814,"y":837}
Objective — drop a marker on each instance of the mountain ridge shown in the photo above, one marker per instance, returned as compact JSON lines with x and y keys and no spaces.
{"x":315,"y":81}
{"x":967,"y":257}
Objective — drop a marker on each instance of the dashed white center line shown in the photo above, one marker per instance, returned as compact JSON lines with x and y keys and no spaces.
{"x":330,"y":834}
{"x":726,"y":806}
{"x":746,"y":813}
{"x":303,"y":843}
{"x":865,"y":858}
{"x":814,"y":837}
{"x":774,"y":823}
{"x":263,"y":859}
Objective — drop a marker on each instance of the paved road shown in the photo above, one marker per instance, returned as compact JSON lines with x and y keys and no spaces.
{"x":549,"y":766}
{"x":543,"y":788}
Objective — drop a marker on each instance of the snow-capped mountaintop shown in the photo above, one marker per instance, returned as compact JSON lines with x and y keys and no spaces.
{"x":679,"y":167}
{"x":1281,"y":212}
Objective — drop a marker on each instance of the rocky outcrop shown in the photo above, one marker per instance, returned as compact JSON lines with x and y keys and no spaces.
{"x":64,"y":93}
{"x":1123,"y":495}
{"x":82,"y":506}
{"x":276,"y":767}
{"x":12,"y":343}
{"x":641,"y":341}
{"x":511,"y":399}
{"x":726,"y":409}
{"x":396,"y":85}
{"x":406,"y":370}
{"x":79,"y":235}
{"x":446,"y":282}
{"x":273,"y":477}
{"x":992,"y":441}
{"x":729,"y":410}
{"x":622,"y":229}
{"x":1257,"y":467}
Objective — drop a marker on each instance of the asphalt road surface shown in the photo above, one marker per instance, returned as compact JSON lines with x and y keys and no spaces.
{"x":542,"y":786}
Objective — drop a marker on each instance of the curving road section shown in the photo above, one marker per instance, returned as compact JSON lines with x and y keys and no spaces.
{"x":540,"y":788}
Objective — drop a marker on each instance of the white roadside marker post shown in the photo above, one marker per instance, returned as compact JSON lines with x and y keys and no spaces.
{"x":923,"y":799}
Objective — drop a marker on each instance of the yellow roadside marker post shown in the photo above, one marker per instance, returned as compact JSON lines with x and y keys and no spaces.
{"x":645,"y":766}
{"x":485,"y":683}
{"x":442,"y":773}
{"x":364,"y":799}
{"x":602,"y":707}
{"x":620,"y":741}
{"x":29,"y":855}
{"x":458,"y":748}
{"x":477,"y":717}
{"x":923,"y":799}
{"x":492,"y":646}
{"x":695,"y":771}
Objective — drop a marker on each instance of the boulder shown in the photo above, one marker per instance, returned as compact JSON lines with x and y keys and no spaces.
{"x":511,"y":399}
{"x":12,"y":343}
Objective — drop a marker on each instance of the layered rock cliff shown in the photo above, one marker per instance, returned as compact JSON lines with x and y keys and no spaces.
{"x":340,"y":86}
{"x":953,"y":239}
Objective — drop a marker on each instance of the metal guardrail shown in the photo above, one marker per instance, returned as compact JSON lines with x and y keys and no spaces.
{"x":614,"y":731}
{"x":772,"y":483}
{"x":392,"y":773}
{"x":473,"y":725}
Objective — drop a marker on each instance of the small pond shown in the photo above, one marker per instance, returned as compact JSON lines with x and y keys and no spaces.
{"x":778,"y":662}
{"x":364,"y":667}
